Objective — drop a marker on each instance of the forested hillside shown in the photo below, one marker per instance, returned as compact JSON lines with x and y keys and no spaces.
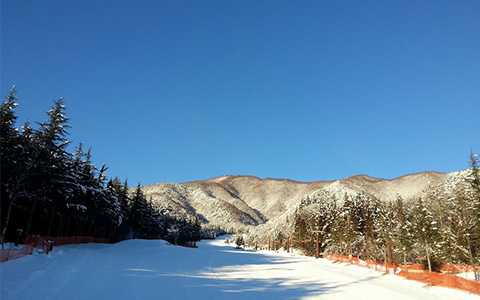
{"x":439,"y":225}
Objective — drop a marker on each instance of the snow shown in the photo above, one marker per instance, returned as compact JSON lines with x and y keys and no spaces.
{"x":11,"y":246}
{"x":467,"y":275}
{"x":152,"y":269}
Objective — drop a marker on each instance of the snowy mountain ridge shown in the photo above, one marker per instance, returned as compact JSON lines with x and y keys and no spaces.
{"x":243,"y":202}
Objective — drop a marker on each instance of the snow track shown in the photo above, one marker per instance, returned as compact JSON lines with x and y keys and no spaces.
{"x":140,"y":269}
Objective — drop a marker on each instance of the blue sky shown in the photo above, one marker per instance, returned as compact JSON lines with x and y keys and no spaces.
{"x":182,"y":90}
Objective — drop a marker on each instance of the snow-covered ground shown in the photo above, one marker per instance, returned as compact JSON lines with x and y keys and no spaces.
{"x":141,"y":269}
{"x":467,"y":275}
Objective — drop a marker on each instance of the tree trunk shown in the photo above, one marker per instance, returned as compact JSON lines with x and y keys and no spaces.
{"x":66,"y":232}
{"x":7,"y":221}
{"x":476,"y":270}
{"x":30,"y":218}
{"x":385,"y":259}
{"x":50,"y":224}
{"x":428,"y":259}
{"x":60,"y":226}
{"x":91,"y":229}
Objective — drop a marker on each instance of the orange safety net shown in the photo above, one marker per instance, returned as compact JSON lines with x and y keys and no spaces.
{"x":417,"y":272}
{"x":36,"y":241}
{"x":445,"y":280}
{"x":9,"y":254}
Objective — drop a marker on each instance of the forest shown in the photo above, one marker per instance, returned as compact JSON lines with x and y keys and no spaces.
{"x":441,"y":227}
{"x":49,"y":190}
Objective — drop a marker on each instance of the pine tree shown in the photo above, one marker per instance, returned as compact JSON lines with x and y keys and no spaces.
{"x":54,"y":182}
{"x":320,"y":217}
{"x":403,"y":232}
{"x":345,"y":230}
{"x":138,"y":212}
{"x":9,"y":150}
{"x":459,"y":226}
{"x":474,"y":209}
{"x":385,"y":223}
{"x":426,"y":229}
{"x":121,"y":193}
{"x":475,"y":172}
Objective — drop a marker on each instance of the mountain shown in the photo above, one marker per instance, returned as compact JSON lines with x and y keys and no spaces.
{"x":243,"y":202}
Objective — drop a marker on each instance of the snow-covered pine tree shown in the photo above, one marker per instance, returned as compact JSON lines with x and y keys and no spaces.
{"x":385,"y":223}
{"x":426,"y":229}
{"x":109,"y":211}
{"x":300,"y":229}
{"x":52,"y":180}
{"x":9,"y":148}
{"x":459,"y":226}
{"x":370,"y":213}
{"x":118,"y":190}
{"x":320,"y":216}
{"x":137,"y":211}
{"x":474,"y":208}
{"x":345,"y":230}
{"x":358,"y":214}
{"x":403,"y":231}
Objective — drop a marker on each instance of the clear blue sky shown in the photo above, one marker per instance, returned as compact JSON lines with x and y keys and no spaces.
{"x":181,"y":90}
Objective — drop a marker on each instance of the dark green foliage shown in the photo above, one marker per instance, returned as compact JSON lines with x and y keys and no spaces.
{"x":47,"y":190}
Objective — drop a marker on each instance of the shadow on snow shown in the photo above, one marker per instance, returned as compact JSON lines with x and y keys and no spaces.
{"x":219,"y":274}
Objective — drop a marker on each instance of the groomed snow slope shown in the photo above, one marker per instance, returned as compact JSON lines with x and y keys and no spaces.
{"x":140,"y":269}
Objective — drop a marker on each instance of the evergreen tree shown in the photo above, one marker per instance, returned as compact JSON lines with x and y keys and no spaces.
{"x":139,"y":212}
{"x":385,"y":224}
{"x":403,"y":232}
{"x":53,"y":180}
{"x":474,"y":209}
{"x":426,"y":229}
{"x":9,"y":159}
{"x":345,"y":230}
{"x":320,"y":217}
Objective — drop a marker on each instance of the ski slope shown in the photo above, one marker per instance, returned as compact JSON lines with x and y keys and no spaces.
{"x":141,"y":269}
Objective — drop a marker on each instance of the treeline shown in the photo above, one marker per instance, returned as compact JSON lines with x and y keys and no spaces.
{"x":47,"y":190}
{"x":440,"y":227}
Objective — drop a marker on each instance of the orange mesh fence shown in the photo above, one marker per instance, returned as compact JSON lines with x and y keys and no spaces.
{"x":457,"y":268}
{"x":445,"y":280}
{"x":38,"y":241}
{"x":417,"y":272}
{"x":381,"y":266}
{"x":346,"y":259}
{"x":9,"y":254}
{"x":412,"y":268}
{"x":372,"y":264}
